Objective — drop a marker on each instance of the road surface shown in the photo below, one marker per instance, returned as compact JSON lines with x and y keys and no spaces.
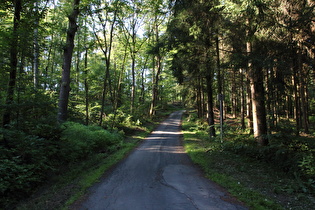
{"x":158,"y":175}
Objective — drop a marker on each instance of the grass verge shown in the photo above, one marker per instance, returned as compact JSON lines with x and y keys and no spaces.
{"x":65,"y":188}
{"x":258,"y":184}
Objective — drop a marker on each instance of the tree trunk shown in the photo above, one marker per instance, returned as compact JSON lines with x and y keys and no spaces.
{"x":155,"y":86}
{"x":36,"y":51}
{"x":296,"y":95}
{"x":106,"y":47}
{"x":67,"y":58}
{"x":234,"y":94}
{"x":156,"y":79}
{"x":243,"y":100}
{"x":86,"y":87}
{"x":303,"y":93}
{"x":13,"y":63}
{"x":210,"y":106}
{"x":133,"y":68}
{"x":118,"y":97}
{"x":271,"y":97}
{"x":199,"y":100}
{"x":259,"y":110}
{"x":249,"y":95}
{"x":133,"y":84}
{"x":217,"y":43}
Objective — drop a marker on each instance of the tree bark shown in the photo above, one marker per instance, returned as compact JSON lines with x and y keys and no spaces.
{"x":199,"y":97}
{"x":217,"y":44}
{"x":86,"y":87}
{"x":36,"y":50}
{"x":243,"y":100}
{"x":13,"y":64}
{"x":156,"y":76}
{"x":133,"y":73}
{"x":303,"y":93}
{"x":210,"y":106}
{"x":234,"y":94}
{"x":258,"y":100}
{"x":249,"y":106}
{"x":67,"y":58}
{"x":155,"y":86}
{"x":107,"y":53}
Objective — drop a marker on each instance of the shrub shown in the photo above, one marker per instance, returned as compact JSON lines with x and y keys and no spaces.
{"x":31,"y":159}
{"x":79,"y":141}
{"x":23,"y":166}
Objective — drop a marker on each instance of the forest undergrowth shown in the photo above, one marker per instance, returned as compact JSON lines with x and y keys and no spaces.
{"x":54,"y":166}
{"x":278,"y":176}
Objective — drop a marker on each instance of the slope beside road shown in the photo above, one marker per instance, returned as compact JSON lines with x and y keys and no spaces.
{"x":158,"y":175}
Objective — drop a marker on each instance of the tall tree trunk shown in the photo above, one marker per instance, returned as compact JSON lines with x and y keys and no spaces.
{"x":13,"y":63}
{"x":259,"y":110}
{"x":271,"y":97}
{"x":155,"y":86}
{"x":199,"y":96}
{"x":133,"y":65}
{"x":243,"y":100}
{"x":210,"y":112}
{"x":296,"y":95}
{"x":78,"y":59}
{"x":234,"y":94}
{"x":107,"y":53}
{"x":217,"y":46}
{"x":158,"y":67}
{"x":249,"y":104}
{"x":86,"y":87}
{"x":303,"y":92}
{"x":118,"y":97}
{"x":133,"y":83}
{"x":67,"y":58}
{"x":36,"y":50}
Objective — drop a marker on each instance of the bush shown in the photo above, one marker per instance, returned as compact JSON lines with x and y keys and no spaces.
{"x":79,"y":141}
{"x":120,"y":119}
{"x":288,"y":153}
{"x":30,"y":159}
{"x":23,"y":166}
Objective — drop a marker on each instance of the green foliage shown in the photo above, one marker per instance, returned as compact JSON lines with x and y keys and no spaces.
{"x":79,"y":141}
{"x":307,"y":165}
{"x":286,"y":152}
{"x":30,"y":159}
{"x":120,"y":119}
{"x":252,"y":173}
{"x":209,"y":156}
{"x":23,"y":166}
{"x":289,"y":153}
{"x":75,"y":177}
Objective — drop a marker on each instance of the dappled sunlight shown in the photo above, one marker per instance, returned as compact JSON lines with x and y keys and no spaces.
{"x":166,"y":132}
{"x":163,"y":149}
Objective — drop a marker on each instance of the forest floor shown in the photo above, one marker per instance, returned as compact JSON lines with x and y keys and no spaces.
{"x":259,"y":184}
{"x":72,"y":181}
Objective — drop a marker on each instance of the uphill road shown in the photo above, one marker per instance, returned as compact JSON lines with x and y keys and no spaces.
{"x":158,"y":175}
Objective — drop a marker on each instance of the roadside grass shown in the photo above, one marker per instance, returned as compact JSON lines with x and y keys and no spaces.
{"x":63,"y":189}
{"x":91,"y":176}
{"x":87,"y":156}
{"x":260,"y":185}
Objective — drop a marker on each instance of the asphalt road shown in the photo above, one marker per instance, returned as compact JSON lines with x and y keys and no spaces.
{"x":158,"y":175}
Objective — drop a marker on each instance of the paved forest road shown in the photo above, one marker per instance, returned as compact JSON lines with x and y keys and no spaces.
{"x":157,"y":175}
